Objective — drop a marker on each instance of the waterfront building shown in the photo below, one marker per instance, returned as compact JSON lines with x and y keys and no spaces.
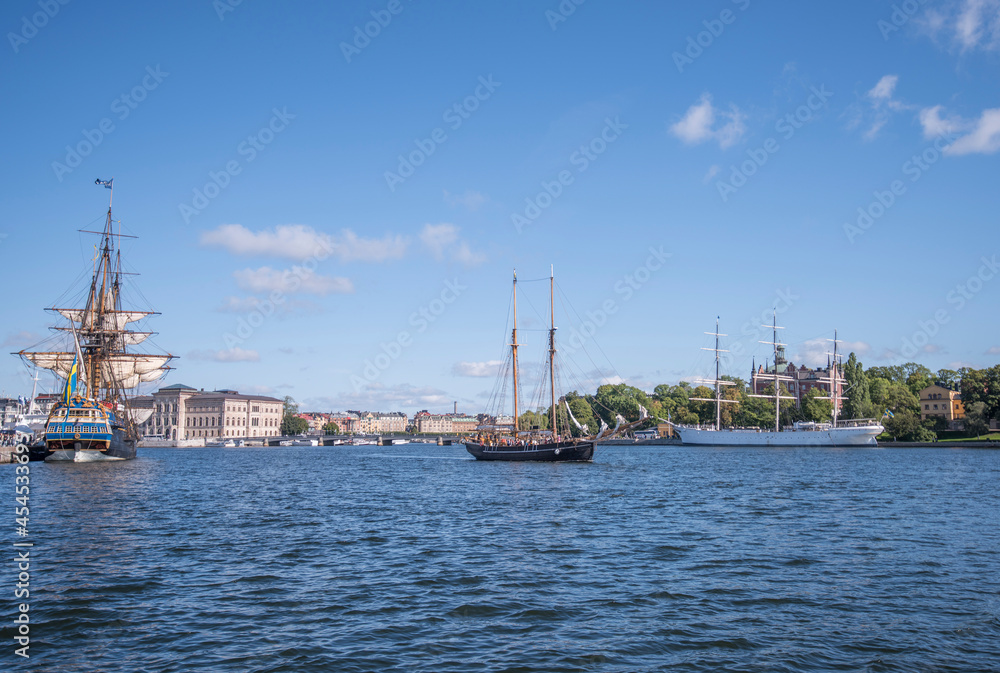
{"x":803,"y":380}
{"x":377,"y":422}
{"x":183,"y":412}
{"x":347,"y":421}
{"x":940,"y":401}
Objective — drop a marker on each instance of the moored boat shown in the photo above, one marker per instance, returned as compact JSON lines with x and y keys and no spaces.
{"x":858,"y":432}
{"x":95,"y":421}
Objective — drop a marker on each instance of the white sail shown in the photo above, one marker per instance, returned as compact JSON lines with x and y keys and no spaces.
{"x":140,"y":416}
{"x":154,"y":375}
{"x":121,"y":367}
{"x":620,"y":420}
{"x":134,"y":338}
{"x":113,"y":320}
{"x":60,"y":363}
{"x":582,"y":428}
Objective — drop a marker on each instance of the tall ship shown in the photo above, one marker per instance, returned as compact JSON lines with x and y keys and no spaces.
{"x":511,"y":442}
{"x":93,"y":350}
{"x":855,"y":432}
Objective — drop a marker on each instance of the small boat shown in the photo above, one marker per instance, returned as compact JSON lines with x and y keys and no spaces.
{"x":305,"y":442}
{"x":95,"y":420}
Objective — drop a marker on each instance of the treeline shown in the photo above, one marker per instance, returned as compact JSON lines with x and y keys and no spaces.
{"x":869,"y":394}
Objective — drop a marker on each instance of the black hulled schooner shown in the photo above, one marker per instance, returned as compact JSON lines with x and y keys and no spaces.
{"x":508,"y":442}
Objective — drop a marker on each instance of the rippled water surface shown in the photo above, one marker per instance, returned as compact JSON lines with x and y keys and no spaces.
{"x":417,"y":558}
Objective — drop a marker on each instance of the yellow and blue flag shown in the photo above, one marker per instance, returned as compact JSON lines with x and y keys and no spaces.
{"x":889,"y":414}
{"x":70,"y":382}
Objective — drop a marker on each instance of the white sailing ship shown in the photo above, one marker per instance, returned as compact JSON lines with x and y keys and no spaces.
{"x":860,"y":432}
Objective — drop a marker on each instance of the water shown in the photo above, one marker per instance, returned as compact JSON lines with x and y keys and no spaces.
{"x":416,"y":558}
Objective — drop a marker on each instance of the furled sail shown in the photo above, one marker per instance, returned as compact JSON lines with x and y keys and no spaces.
{"x":111,"y":320}
{"x":643,"y":414}
{"x":582,"y":428}
{"x":620,"y":420}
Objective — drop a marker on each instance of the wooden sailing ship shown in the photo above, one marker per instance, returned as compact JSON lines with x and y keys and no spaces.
{"x":514,"y":443}
{"x":95,"y":420}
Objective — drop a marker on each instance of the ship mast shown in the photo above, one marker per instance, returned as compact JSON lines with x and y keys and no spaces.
{"x":719,"y":401}
{"x":513,"y":346}
{"x":777,"y":377}
{"x":835,"y":379}
{"x":552,"y":347}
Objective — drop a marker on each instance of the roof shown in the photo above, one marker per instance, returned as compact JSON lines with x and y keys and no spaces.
{"x":178,"y":386}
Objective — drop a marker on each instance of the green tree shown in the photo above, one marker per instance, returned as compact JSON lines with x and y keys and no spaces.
{"x":949,"y":377}
{"x":290,"y":407}
{"x":918,"y":377}
{"x":905,"y":426}
{"x":976,"y":419}
{"x":293,"y":425}
{"x":816,"y":409}
{"x":331,"y":429}
{"x":858,"y":403}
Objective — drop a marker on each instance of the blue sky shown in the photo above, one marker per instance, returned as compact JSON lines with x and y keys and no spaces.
{"x":835,"y":161}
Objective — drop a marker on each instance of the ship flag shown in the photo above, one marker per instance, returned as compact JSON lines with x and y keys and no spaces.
{"x":106,"y":183}
{"x":70,"y":382}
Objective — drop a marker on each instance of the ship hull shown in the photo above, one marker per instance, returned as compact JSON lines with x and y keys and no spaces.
{"x":555,"y":452}
{"x":118,"y":447}
{"x":850,"y":436}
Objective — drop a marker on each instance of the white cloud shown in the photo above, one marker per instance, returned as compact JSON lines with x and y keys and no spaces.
{"x":970,"y":24}
{"x":443,"y":243}
{"x":466,"y":257}
{"x":20,"y":339}
{"x":712,"y":172}
{"x":696,"y":126}
{"x":881,"y":105}
{"x":438,"y":237}
{"x":299,"y":242}
{"x":993,"y":350}
{"x":984,"y":137}
{"x":978,"y":22}
{"x":470,"y":199}
{"x":290,"y":281}
{"x":934,"y":126}
{"x":816,"y":352}
{"x":404,"y":397}
{"x":235,"y":354}
{"x":476,"y":369}
{"x":883,"y":90}
{"x":238,"y":304}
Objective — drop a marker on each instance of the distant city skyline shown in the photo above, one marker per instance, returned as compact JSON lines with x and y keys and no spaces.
{"x":331,"y":200}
